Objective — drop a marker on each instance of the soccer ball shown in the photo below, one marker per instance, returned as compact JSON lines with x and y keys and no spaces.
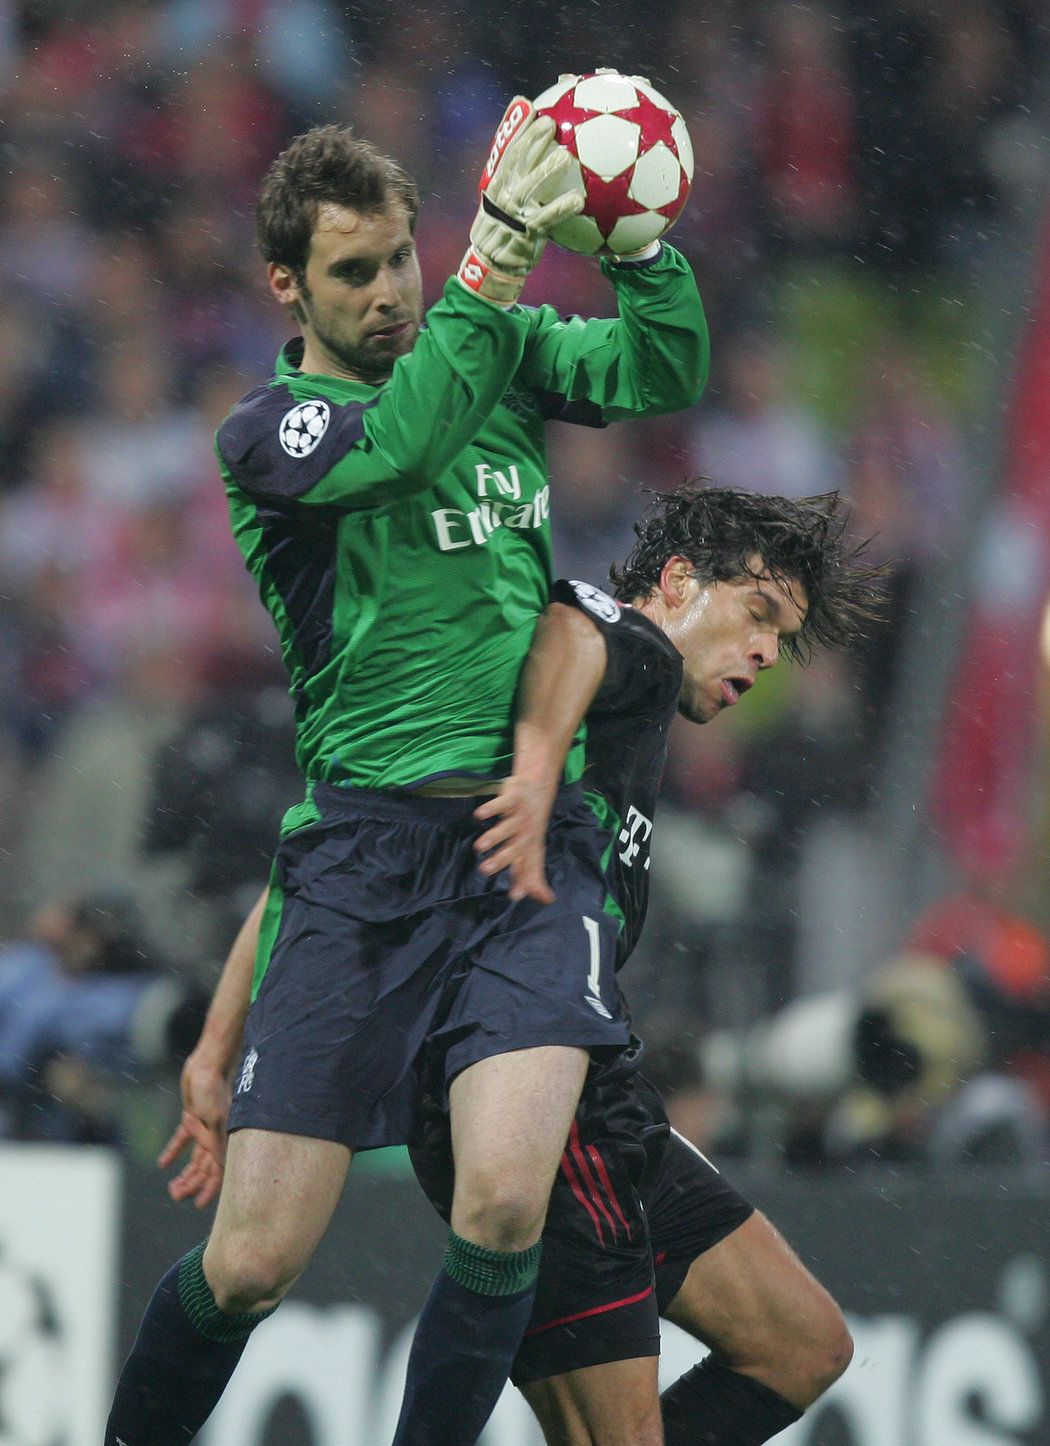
{"x":634,"y":162}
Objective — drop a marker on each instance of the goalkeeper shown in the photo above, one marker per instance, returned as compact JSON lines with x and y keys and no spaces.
{"x":388,"y":490}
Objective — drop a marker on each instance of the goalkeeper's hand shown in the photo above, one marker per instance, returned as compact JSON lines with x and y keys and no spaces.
{"x":525,"y":192}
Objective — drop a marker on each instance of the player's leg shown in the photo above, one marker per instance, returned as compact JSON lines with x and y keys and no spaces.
{"x":536,"y":993}
{"x":510,"y":1118}
{"x":588,"y":1362}
{"x":777,"y":1340}
{"x":615,"y":1404}
{"x":278,"y":1195}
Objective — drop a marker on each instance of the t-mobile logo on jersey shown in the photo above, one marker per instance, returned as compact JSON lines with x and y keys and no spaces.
{"x":635,"y":832}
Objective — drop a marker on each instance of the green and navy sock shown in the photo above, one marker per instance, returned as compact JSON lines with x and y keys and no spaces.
{"x":183,"y":1356}
{"x":465,"y":1343}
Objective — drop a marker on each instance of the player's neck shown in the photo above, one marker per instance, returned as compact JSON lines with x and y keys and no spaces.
{"x":653,"y":608}
{"x":319,"y":361}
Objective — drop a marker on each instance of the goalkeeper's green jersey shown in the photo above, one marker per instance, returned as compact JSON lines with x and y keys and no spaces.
{"x":399,"y":534}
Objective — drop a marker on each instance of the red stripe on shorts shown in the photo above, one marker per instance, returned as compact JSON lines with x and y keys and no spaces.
{"x":587,"y":1177}
{"x":577,"y":1190}
{"x":595,"y":1310}
{"x":603,"y":1175}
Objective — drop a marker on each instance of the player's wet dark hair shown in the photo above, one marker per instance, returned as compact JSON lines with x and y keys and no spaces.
{"x":328,"y":164}
{"x":721,"y":531}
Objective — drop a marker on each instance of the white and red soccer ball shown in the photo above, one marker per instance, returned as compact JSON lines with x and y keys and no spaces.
{"x":634,"y":161}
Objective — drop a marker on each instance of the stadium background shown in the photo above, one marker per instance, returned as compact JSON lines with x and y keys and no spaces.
{"x":845,"y":981}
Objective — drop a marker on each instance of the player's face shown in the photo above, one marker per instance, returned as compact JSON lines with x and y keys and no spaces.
{"x":727,"y":633}
{"x":360,"y":300}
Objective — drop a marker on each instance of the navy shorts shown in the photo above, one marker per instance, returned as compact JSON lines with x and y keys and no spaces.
{"x":632,"y":1207}
{"x":383,"y":945}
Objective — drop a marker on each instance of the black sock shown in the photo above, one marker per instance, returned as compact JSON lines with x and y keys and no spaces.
{"x":183,"y":1356}
{"x":465,"y":1343}
{"x":712,"y":1405}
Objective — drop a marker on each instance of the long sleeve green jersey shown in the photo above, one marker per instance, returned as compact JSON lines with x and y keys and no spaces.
{"x":399,"y":534}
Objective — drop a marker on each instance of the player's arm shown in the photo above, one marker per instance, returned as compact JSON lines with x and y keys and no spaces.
{"x":206,"y":1075}
{"x":367,"y":454}
{"x":653,"y":357}
{"x":562,"y":674}
{"x":373,"y":453}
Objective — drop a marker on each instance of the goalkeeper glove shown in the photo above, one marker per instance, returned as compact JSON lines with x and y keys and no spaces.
{"x":512,"y":223}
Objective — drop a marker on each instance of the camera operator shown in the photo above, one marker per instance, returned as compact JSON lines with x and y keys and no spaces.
{"x":87,"y":1008}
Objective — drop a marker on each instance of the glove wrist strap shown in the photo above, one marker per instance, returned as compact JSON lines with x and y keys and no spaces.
{"x":478,"y":276}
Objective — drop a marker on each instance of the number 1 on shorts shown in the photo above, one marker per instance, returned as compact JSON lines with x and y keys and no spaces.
{"x":595,"y":940}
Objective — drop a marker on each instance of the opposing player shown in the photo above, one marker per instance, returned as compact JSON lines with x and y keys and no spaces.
{"x":388,"y":490}
{"x":640,"y":1224}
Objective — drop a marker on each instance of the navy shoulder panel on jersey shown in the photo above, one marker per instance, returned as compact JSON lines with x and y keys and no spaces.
{"x":644,"y":667}
{"x":279,"y":446}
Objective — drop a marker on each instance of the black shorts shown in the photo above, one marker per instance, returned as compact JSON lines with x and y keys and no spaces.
{"x":632,"y":1207}
{"x":382,"y":941}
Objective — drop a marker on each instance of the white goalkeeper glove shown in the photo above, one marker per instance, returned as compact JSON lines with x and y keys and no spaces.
{"x":512,"y":224}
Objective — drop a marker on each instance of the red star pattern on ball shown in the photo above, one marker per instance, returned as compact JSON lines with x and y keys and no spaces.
{"x":654,"y":123}
{"x":607,"y":201}
{"x":567,"y":115}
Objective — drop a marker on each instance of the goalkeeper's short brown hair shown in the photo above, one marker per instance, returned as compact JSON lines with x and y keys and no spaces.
{"x":328,"y":165}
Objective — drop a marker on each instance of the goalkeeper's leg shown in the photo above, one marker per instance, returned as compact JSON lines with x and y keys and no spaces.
{"x":510,"y":1119}
{"x":277,"y":1199}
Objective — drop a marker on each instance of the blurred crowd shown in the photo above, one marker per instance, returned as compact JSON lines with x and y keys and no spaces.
{"x":855,"y":163}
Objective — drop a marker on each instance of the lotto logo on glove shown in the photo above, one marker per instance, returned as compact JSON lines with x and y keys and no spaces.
{"x":472,"y":273}
{"x":514,"y":117}
{"x":484,"y":282}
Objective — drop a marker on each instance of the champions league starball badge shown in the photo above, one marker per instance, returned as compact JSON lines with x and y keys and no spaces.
{"x":303,"y":427}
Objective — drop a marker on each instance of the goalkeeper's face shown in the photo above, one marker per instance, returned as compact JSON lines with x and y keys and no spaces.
{"x":360,"y":300}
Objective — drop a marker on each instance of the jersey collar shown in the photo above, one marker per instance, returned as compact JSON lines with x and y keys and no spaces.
{"x":289,"y":364}
{"x":290,"y":358}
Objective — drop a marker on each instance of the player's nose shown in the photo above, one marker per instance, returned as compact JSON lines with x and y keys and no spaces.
{"x":385,"y":292}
